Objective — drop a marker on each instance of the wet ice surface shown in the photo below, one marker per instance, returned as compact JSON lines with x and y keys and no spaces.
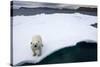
{"x":57,"y":31}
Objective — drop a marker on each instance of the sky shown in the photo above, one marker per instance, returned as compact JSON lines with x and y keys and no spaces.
{"x":33,"y":4}
{"x":18,"y":4}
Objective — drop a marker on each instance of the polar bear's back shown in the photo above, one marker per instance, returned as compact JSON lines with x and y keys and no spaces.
{"x":37,"y":38}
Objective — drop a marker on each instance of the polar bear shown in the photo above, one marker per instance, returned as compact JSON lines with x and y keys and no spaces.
{"x":36,"y":45}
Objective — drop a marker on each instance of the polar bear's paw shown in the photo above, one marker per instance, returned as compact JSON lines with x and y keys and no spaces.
{"x":34,"y":54}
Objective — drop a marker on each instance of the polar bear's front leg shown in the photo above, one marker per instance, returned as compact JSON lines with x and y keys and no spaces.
{"x":34,"y":52}
{"x":40,"y":52}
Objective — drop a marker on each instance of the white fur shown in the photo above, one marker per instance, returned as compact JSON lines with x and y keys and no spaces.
{"x":36,"y":40}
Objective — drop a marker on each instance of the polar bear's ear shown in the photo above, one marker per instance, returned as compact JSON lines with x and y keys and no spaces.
{"x":30,"y":42}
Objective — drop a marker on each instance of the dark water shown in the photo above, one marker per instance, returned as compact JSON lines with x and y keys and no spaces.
{"x":39,"y":10}
{"x":82,"y":52}
{"x":94,"y":25}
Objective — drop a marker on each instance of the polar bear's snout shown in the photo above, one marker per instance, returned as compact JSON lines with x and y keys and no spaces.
{"x":36,"y":45}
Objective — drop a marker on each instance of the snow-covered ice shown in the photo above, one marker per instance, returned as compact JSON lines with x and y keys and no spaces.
{"x":57,"y":31}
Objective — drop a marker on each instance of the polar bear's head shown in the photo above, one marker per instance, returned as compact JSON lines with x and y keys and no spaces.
{"x":35,"y":44}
